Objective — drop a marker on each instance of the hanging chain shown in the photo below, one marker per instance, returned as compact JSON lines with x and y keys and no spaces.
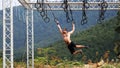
{"x":40,"y":6}
{"x":68,"y":11}
{"x":84,"y":17}
{"x":55,"y":18}
{"x":102,"y":11}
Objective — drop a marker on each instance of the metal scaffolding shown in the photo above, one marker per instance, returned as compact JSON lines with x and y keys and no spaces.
{"x":30,"y":35}
{"x":7,"y":33}
{"x":30,"y":6}
{"x":74,"y":4}
{"x":30,"y":39}
{"x":56,"y":5}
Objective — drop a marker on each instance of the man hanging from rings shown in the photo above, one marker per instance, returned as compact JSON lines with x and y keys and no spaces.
{"x":66,"y":37}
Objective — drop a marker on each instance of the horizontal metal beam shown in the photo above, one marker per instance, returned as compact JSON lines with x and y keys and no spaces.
{"x":73,"y":5}
{"x":75,"y":2}
{"x":25,"y":4}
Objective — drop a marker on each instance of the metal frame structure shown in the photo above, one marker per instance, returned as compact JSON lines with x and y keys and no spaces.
{"x":55,"y":6}
{"x":7,"y":33}
{"x":30,"y":6}
{"x":30,"y":35}
{"x":74,"y":5}
{"x":30,"y":39}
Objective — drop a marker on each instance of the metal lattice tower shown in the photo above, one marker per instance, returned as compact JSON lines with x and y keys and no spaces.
{"x":7,"y":34}
{"x":30,"y":39}
{"x":56,"y":5}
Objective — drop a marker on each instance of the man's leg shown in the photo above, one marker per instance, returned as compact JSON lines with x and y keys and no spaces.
{"x":78,"y":51}
{"x":81,"y":46}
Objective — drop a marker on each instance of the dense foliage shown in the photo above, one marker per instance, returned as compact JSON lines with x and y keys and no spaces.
{"x":99,"y":38}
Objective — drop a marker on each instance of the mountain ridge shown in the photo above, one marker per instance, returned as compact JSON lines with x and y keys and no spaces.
{"x":46,"y":33}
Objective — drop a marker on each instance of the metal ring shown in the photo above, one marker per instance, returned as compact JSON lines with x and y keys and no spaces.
{"x":42,"y":13}
{"x":37,"y":5}
{"x":87,"y":5}
{"x":68,"y":20}
{"x":46,"y":19}
{"x":104,"y":4}
{"x":84,"y":20}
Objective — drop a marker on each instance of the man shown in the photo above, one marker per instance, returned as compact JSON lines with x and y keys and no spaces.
{"x":66,"y":37}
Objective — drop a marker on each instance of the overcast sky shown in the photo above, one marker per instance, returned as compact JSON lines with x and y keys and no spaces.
{"x":14,"y":3}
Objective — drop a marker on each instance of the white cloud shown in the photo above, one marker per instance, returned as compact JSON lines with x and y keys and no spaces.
{"x":15,"y":3}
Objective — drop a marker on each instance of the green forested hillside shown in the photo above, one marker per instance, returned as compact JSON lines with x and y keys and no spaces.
{"x":99,"y":38}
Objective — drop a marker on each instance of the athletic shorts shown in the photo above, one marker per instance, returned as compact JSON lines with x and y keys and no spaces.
{"x":71,"y":47}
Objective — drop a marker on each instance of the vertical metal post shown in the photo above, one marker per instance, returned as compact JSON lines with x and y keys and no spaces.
{"x":30,"y":39}
{"x":7,"y":33}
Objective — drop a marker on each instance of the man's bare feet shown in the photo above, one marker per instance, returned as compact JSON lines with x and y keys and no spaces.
{"x":78,"y":51}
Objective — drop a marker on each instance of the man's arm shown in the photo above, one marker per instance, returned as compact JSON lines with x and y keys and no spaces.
{"x":58,"y":25}
{"x":73,"y":28}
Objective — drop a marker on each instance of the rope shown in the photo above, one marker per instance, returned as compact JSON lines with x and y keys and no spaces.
{"x":55,"y":18}
{"x":68,"y":11}
{"x":102,"y":11}
{"x":84,"y":17}
{"x":40,"y":6}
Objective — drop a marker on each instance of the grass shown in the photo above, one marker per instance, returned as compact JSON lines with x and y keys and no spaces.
{"x":62,"y":64}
